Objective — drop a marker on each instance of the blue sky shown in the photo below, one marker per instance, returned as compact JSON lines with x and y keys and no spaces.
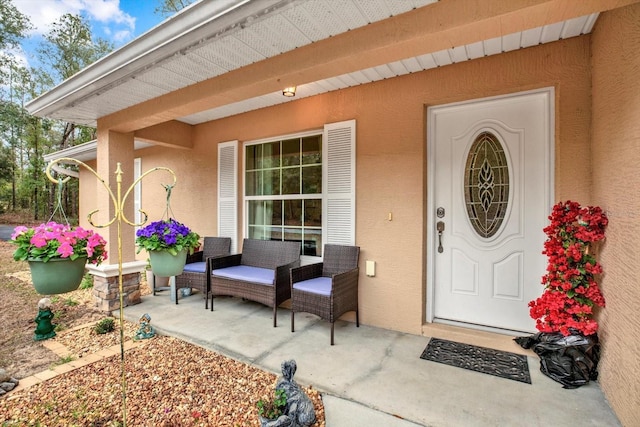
{"x":118,"y":21}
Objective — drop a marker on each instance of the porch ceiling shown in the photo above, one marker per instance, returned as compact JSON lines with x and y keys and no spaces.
{"x":215,"y":42}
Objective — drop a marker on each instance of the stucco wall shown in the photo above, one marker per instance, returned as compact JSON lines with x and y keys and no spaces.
{"x":391,"y":171}
{"x":616,"y":156}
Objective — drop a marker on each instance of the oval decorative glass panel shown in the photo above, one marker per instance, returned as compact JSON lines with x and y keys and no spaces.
{"x":486,"y":184}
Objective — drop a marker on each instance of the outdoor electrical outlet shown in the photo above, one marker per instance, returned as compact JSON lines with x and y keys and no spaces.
{"x":370,"y":268}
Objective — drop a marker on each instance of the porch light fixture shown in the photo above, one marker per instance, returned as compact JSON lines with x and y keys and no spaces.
{"x":289,"y":91}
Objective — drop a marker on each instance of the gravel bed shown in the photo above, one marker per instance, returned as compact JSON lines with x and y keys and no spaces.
{"x":168,"y":383}
{"x":84,"y":340}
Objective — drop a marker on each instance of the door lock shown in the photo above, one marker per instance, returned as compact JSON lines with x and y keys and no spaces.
{"x":440,"y":229}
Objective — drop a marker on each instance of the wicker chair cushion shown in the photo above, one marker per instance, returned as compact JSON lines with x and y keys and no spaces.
{"x":317,"y":285}
{"x":263,"y":276}
{"x":196,"y":267}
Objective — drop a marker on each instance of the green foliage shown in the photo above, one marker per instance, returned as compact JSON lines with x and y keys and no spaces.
{"x":167,"y":235}
{"x":70,"y":302}
{"x":24,"y":139}
{"x":70,"y":46}
{"x":87,"y":282}
{"x":169,"y":8}
{"x":104,"y":326}
{"x":273,"y":408}
{"x":13,"y":25}
{"x":63,"y":360}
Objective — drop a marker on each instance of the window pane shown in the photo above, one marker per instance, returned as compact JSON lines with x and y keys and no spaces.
{"x":274,"y":211}
{"x":313,"y":213}
{"x":291,"y":152}
{"x":312,"y":180}
{"x":254,"y":156}
{"x":256,"y":212}
{"x":271,"y":155}
{"x":312,"y":244}
{"x":271,"y":182}
{"x":274,"y":233}
{"x":253,"y":183}
{"x":293,"y":234}
{"x":312,"y":150}
{"x":291,"y":181}
{"x":293,"y":212}
{"x":486,"y":184}
{"x":256,"y":232}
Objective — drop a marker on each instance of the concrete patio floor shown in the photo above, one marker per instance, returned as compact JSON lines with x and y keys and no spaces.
{"x":373,"y":376}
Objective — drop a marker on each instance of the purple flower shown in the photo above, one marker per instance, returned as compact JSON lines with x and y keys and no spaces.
{"x":166,"y":235}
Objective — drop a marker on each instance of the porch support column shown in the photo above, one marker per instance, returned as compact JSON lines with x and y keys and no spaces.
{"x":113,"y":148}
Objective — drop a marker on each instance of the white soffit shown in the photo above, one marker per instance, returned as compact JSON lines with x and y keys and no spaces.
{"x":225,"y":45}
{"x":546,"y":34}
{"x":86,"y":151}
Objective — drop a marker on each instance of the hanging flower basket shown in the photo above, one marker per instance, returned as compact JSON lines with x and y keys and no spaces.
{"x":57,"y":254}
{"x":57,"y":276}
{"x":167,"y":243}
{"x":165,"y":264}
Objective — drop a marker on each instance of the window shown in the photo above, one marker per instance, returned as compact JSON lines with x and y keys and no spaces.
{"x":486,"y":188}
{"x":299,"y":187}
{"x":283,"y":191}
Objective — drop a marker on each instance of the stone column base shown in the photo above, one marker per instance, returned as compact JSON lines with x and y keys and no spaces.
{"x":106,"y":286}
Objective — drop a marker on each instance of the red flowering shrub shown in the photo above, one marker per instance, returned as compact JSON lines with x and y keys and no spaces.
{"x":570,"y":288}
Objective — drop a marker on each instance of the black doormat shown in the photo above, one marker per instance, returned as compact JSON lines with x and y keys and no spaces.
{"x":480,"y":359}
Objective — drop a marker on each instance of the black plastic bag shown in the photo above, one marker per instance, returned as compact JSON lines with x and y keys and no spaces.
{"x":572,"y":360}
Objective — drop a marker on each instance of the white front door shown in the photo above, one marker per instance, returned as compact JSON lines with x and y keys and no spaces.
{"x":490,"y":193}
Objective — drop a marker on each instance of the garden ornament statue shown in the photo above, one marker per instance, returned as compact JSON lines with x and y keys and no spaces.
{"x":145,"y":330}
{"x":299,"y":411}
{"x":44,"y":329}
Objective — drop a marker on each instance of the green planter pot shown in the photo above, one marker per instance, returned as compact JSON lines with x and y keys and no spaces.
{"x":57,"y":276}
{"x":164,"y":264}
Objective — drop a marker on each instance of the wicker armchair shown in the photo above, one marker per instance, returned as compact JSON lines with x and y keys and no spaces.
{"x":327,"y":289}
{"x":197,"y":269}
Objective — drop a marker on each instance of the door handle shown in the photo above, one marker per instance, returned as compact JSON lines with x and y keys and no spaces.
{"x":440,"y":229}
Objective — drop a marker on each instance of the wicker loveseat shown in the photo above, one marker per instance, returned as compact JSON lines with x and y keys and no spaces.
{"x":196,"y":268}
{"x":260,"y":273}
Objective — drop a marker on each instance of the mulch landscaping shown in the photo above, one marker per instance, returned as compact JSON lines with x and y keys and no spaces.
{"x":168,"y":382}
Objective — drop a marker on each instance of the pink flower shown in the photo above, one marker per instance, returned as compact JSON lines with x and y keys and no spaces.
{"x":19,"y":230}
{"x":53,"y":240}
{"x":65,"y":250}
{"x":39,"y":241}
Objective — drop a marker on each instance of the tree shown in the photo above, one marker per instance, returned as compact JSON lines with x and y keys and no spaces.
{"x":25,"y":138}
{"x":69,"y":47}
{"x":13,"y":25}
{"x":169,"y":8}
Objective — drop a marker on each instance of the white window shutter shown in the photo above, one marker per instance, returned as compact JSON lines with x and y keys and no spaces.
{"x":228,"y":192}
{"x":339,"y":183}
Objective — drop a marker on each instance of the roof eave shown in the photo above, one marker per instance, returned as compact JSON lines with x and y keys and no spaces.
{"x":147,"y":49}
